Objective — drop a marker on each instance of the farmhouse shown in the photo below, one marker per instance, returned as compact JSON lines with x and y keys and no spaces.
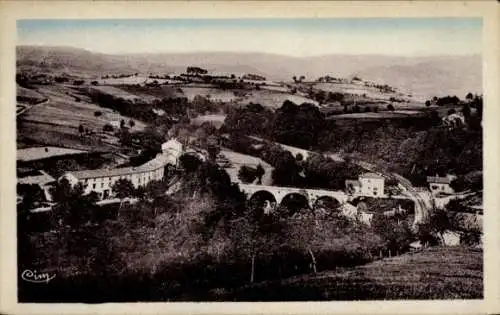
{"x":101,"y":181}
{"x":439,"y":184}
{"x":368,"y":184}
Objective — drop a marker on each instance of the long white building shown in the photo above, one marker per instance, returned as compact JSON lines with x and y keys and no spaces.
{"x":101,"y":181}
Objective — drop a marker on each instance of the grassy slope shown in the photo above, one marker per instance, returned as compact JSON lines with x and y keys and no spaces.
{"x":435,"y":273}
{"x":56,"y":122}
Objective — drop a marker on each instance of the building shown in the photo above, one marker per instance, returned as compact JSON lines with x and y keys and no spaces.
{"x":371,"y":184}
{"x":101,"y":181}
{"x":441,"y":185}
{"x":368,"y":185}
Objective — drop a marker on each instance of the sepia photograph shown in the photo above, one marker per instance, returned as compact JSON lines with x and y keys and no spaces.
{"x":257,"y":159}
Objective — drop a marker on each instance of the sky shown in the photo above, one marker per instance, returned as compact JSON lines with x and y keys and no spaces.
{"x":293,"y":37}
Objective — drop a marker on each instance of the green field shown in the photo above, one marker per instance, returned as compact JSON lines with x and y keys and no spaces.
{"x":435,"y":273}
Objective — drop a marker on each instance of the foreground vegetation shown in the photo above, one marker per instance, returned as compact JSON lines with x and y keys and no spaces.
{"x":204,"y":236}
{"x":435,"y":273}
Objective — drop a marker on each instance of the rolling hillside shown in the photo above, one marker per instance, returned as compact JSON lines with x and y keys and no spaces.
{"x":424,"y":76}
{"x":434,"y":273}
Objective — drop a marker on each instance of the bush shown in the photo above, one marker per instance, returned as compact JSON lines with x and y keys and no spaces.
{"x":107,"y":127}
{"x":97,"y":113}
{"x":247,"y":174}
{"x":390,"y":107}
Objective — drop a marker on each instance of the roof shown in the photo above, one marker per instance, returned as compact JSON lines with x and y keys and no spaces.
{"x":38,"y":179}
{"x":159,"y":161}
{"x":438,"y":180}
{"x":371,"y":175}
{"x":38,"y":153}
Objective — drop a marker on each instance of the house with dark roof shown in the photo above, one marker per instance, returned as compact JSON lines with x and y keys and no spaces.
{"x":441,"y":185}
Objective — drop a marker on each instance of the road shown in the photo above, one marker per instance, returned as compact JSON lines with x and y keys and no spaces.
{"x":27,"y":107}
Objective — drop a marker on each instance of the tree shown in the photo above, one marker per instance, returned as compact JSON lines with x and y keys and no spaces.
{"x":466,"y":112}
{"x":259,"y":172}
{"x":80,"y":129}
{"x":390,"y":107}
{"x":247,"y":174}
{"x":73,"y":207}
{"x":396,"y":233}
{"x":425,"y":235}
{"x":469,"y":96}
{"x":123,"y":188}
{"x":299,"y":157}
{"x":213,"y":148}
{"x":320,"y":96}
{"x":439,"y":223}
{"x":125,"y":137}
{"x":107,"y":127}
{"x":190,"y":162}
{"x":131,"y":123}
{"x":140,"y":192}
{"x":31,"y":193}
{"x":427,"y":103}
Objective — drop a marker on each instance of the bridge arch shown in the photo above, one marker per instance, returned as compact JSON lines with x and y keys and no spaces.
{"x":295,"y":202}
{"x":262,"y":202}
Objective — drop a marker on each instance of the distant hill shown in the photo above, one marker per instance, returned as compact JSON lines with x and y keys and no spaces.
{"x":424,"y":76}
{"x":427,"y":77}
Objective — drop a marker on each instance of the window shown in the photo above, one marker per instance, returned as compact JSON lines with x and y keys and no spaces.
{"x":102,"y":185}
{"x":93,"y":186}
{"x":434,"y":187}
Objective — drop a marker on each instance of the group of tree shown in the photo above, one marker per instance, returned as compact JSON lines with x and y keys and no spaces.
{"x":196,"y":70}
{"x":412,"y":146}
{"x":206,"y":235}
{"x":298,"y":79}
{"x":248,"y":174}
{"x":173,"y":107}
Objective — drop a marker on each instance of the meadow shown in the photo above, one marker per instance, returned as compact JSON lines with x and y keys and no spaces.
{"x":274,"y":100}
{"x":56,"y":122}
{"x":434,"y":273}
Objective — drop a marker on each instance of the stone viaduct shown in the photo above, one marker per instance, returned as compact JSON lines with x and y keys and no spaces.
{"x":278,"y":194}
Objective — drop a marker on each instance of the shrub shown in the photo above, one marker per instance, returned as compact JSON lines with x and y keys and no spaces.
{"x":247,"y":174}
{"x":107,"y":127}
